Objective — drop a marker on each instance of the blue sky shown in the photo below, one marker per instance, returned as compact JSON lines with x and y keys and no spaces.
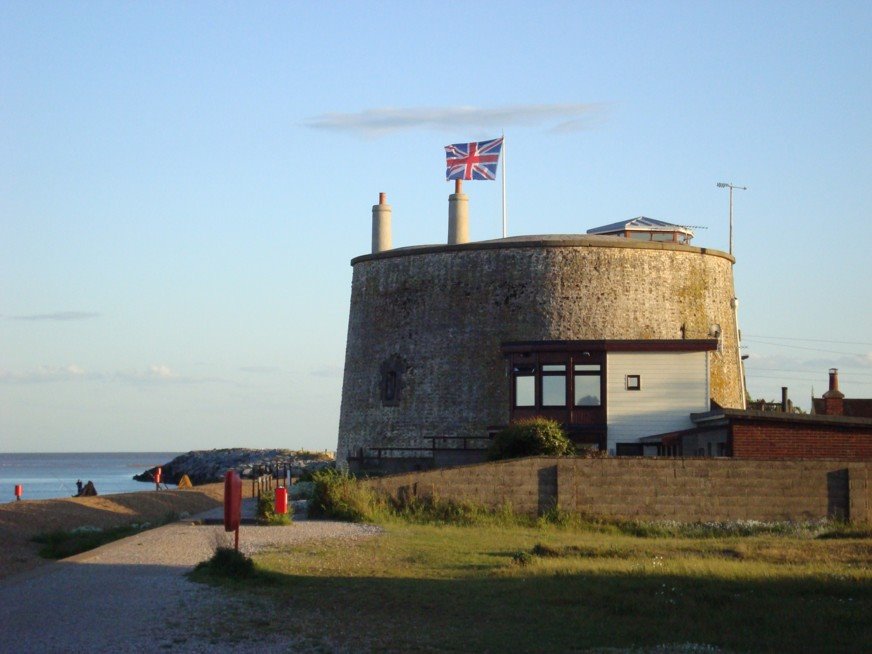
{"x":182,"y":186}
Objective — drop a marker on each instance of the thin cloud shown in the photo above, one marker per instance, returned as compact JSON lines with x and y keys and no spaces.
{"x":154,"y":374}
{"x":45,"y":374}
{"x":331,"y":372}
{"x":161,"y":374}
{"x":379,"y":122}
{"x":261,"y":370}
{"x":847,"y":361}
{"x":60,"y":316}
{"x":817,"y":365}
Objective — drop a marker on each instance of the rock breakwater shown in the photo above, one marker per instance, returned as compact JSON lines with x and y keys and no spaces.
{"x":208,"y":466}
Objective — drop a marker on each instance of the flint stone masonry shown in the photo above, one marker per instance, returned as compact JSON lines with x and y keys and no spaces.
{"x":446,"y":310}
{"x":685,"y":490}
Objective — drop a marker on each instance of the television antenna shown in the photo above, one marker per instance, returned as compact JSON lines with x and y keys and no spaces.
{"x":731,"y":186}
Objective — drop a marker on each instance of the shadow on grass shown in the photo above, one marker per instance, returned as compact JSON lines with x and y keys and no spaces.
{"x":573,"y":612}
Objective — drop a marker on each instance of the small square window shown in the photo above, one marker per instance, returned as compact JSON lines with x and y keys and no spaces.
{"x":634,"y":382}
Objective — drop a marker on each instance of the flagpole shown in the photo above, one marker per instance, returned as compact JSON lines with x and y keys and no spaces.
{"x":505,"y":218}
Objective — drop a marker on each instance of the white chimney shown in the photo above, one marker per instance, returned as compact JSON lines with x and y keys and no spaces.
{"x":458,"y":216}
{"x":381,"y":225}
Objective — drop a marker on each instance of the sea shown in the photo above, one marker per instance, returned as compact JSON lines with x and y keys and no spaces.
{"x":45,"y":476}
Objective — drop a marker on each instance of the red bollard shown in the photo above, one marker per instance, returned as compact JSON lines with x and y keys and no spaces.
{"x":281,"y":501}
{"x":232,"y":504}
{"x":19,"y":489}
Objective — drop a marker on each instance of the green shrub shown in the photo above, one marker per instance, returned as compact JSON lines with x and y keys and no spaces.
{"x":307,"y":476}
{"x":309,"y":472}
{"x":846,"y":530}
{"x":432,"y":510}
{"x":522,"y":558}
{"x":540,"y":549}
{"x":732,"y":529}
{"x":591,"y":453}
{"x":559,"y":518}
{"x":266,"y":511}
{"x":226,"y":563}
{"x":531,"y":437}
{"x":337,"y":494}
{"x":266,"y":506}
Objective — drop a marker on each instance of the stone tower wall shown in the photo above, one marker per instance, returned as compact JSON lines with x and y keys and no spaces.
{"x":442,"y":313}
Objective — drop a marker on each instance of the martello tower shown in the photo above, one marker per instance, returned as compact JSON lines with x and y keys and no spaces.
{"x":616,"y":337}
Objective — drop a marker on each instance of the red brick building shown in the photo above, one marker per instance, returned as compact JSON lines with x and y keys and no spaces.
{"x":767,"y":434}
{"x":834,"y":402}
{"x":837,"y":428}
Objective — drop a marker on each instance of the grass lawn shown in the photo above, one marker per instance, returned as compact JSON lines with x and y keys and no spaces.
{"x":424,"y":587}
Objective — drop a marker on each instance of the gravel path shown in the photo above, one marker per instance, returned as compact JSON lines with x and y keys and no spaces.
{"x":132,"y":595}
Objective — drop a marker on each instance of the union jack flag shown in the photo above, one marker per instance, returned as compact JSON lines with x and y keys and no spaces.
{"x":477,"y":160}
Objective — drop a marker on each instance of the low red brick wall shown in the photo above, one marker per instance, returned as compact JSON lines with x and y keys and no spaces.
{"x":686,"y":490}
{"x":759,"y":439}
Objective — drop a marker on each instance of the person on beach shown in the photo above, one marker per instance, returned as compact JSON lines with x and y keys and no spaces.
{"x":157,"y":476}
{"x":79,"y":487}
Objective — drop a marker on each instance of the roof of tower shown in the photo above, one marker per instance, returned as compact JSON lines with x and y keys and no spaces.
{"x":542,"y":241}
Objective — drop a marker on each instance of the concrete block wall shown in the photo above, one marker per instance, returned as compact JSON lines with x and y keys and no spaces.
{"x":705,"y":489}
{"x":686,"y":490}
{"x":515,"y":482}
{"x":860,"y":493}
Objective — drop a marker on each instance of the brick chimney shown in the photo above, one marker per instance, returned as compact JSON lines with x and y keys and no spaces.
{"x":834,"y":398}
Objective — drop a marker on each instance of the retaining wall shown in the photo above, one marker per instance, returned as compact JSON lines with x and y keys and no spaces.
{"x":686,"y":490}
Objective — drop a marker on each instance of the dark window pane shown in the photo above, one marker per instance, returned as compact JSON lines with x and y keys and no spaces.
{"x":628,"y":449}
{"x":391,"y":386}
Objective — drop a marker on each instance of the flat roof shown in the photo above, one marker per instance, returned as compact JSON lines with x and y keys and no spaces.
{"x":641,"y":223}
{"x":615,"y":345}
{"x":543,"y":241}
{"x":723,"y":416}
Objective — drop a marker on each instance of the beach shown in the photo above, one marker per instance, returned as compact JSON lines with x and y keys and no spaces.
{"x":133,"y":593}
{"x":21,"y":521}
{"x":49,"y":475}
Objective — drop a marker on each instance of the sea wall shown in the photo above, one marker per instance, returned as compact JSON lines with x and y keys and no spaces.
{"x":685,"y":490}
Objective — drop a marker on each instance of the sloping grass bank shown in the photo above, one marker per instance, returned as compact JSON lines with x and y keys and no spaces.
{"x":71,"y":519}
{"x":450,"y":588}
{"x":60,"y":544}
{"x":455,"y":578}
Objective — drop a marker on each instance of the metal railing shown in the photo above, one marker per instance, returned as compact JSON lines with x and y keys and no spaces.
{"x":437,"y":444}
